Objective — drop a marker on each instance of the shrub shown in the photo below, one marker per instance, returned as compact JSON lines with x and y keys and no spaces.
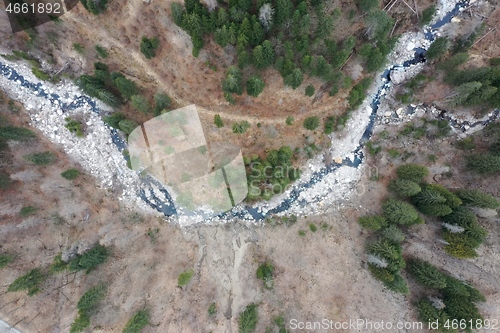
{"x":240,"y":128}
{"x":78,"y":48}
{"x":137,"y":322}
{"x":427,"y":15}
{"x":357,"y":93}
{"x":149,"y":46}
{"x":28,"y":210}
{"x":218,"y":121}
{"x":70,"y":174}
{"x":374,"y":222}
{"x":39,"y":74}
{"x":398,"y":284}
{"x":265,"y":273}
{"x":212,"y":309}
{"x":127,"y":126}
{"x":400,"y":212}
{"x":404,"y":187}
{"x":310,"y":90}
{"x":413,"y":172}
{"x":478,"y":199}
{"x":16,"y":133}
{"x":114,"y":119}
{"x":30,"y":281}
{"x":44,"y":158}
{"x":90,"y":259}
{"x":96,"y":7}
{"x":466,"y":143}
{"x":58,"y":265}
{"x":289,"y":120}
{"x":101,"y":51}
{"x":427,"y":274}
{"x":5,"y":259}
{"x":185,"y":277}
{"x":81,"y":322}
{"x":5,"y":181}
{"x":311,"y":123}
{"x":248,"y":319}
{"x":313,"y":227}
{"x":382,"y":274}
{"x":74,"y":126}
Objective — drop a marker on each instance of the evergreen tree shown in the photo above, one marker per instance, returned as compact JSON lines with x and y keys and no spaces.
{"x":258,"y":57}
{"x":294,"y":79}
{"x":162,"y":102}
{"x":478,"y":199}
{"x":311,"y":123}
{"x":309,"y":90}
{"x":404,"y":187}
{"x":268,"y":53}
{"x":413,"y":172}
{"x":177,"y":13}
{"x":484,"y":163}
{"x":284,"y":10}
{"x":141,"y":104}
{"x":257,"y":33}
{"x":221,"y":36}
{"x":427,"y":274}
{"x":233,"y":81}
{"x":400,"y":212}
{"x":393,"y":234}
{"x":367,"y":5}
{"x":437,"y":48}
{"x":398,"y":284}
{"x":126,"y":87}
{"x":149,"y":45}
{"x":127,"y":126}
{"x":255,"y":85}
{"x":218,"y":121}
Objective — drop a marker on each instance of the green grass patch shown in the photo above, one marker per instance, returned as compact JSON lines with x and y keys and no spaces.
{"x":40,"y":74}
{"x":313,"y":227}
{"x":74,"y":126}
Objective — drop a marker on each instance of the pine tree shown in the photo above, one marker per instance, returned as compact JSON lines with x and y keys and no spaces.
{"x":257,"y":33}
{"x":437,"y":48}
{"x":478,"y":199}
{"x":177,"y":13}
{"x":400,"y":212}
{"x":484,"y":163}
{"x":255,"y":85}
{"x":126,"y":87}
{"x":141,"y":104}
{"x":268,"y":53}
{"x":162,"y":102}
{"x":398,"y":284}
{"x":221,"y":36}
{"x":427,"y":274}
{"x":258,"y":57}
{"x":413,"y":172}
{"x":294,"y":79}
{"x":222,"y":17}
{"x":393,"y":234}
{"x":404,"y":187}
{"x":284,"y":10}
